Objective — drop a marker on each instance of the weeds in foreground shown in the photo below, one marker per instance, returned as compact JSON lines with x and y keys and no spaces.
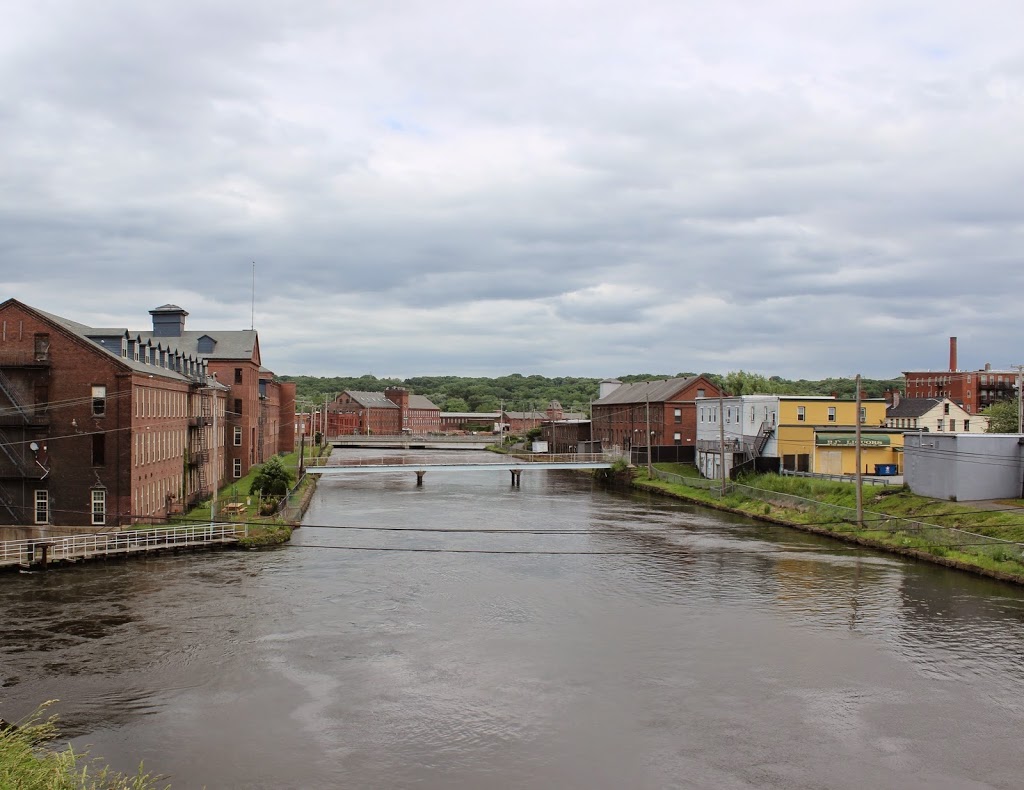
{"x":28,"y":761}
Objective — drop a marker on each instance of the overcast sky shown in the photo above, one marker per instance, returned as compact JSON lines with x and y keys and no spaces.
{"x":804,"y":189}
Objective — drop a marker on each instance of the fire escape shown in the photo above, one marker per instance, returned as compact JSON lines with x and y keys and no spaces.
{"x":22,"y":433}
{"x":199,"y":431}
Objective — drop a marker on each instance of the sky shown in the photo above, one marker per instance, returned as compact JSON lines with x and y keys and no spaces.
{"x":559,"y":187}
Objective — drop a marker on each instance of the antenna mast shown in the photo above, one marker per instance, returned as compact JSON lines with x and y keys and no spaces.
{"x":252,"y":314}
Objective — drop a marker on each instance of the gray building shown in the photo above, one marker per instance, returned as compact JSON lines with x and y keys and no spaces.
{"x":964,"y":466}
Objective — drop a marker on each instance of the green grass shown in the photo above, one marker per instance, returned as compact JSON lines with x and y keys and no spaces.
{"x":896,"y":503}
{"x":238,"y":491}
{"x":26,"y":762}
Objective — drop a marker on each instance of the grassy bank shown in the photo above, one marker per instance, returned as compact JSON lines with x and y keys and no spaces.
{"x":951,"y":534}
{"x":235,"y":503}
{"x":27,"y":763}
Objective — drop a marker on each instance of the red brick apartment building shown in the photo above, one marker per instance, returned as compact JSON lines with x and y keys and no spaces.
{"x":102,"y":427}
{"x":619,"y":416}
{"x":972,"y":390}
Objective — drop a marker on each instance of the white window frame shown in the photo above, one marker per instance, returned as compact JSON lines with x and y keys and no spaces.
{"x":236,"y":467}
{"x":801,"y":414}
{"x":99,"y":507}
{"x":238,"y":436}
{"x":99,"y":399}
{"x":831,"y":413}
{"x":42,"y":505}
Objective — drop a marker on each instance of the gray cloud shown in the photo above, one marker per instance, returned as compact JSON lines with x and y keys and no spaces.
{"x":561,"y":188}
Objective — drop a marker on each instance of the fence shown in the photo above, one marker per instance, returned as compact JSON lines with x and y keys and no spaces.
{"x":841,"y":519}
{"x":75,"y":547}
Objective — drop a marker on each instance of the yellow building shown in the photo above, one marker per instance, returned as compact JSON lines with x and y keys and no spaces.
{"x":818,"y":434}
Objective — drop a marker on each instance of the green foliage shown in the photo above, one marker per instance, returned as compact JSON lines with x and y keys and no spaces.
{"x":533,"y":393}
{"x":1002,"y":417}
{"x":272,"y":479}
{"x":24,"y":765}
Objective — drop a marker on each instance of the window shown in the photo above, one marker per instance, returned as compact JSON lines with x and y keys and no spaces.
{"x":967,"y":425}
{"x":99,"y":506}
{"x":99,"y":446}
{"x":831,"y":413}
{"x":677,"y":438}
{"x":236,"y":467}
{"x":801,"y":414}
{"x":238,"y":436}
{"x":238,"y":405}
{"x":238,"y":375}
{"x":124,"y":347}
{"x":678,"y":415}
{"x":42,"y":347}
{"x":952,"y":424}
{"x":42,"y":506}
{"x":700,"y":393}
{"x":99,"y":401}
{"x":702,"y":414}
{"x":863,"y":414}
{"x":945,"y":408}
{"x":939,"y":424}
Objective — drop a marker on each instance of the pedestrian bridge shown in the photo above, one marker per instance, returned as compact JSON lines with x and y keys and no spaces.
{"x":515,"y":467}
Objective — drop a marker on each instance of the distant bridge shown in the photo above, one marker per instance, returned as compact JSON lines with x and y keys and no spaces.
{"x":411,"y":442}
{"x":514,"y":467}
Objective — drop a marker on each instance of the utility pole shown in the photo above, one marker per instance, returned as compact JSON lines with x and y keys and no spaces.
{"x":721,"y":436}
{"x":1020,"y":399}
{"x":859,"y":479}
{"x":650,"y":467}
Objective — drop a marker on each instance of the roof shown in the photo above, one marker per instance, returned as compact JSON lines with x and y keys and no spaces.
{"x":526,"y":415}
{"x":421,"y":402}
{"x":229,"y":344}
{"x":913,"y":407}
{"x":89,"y":333}
{"x":374,"y":399}
{"x":471,"y":415}
{"x":642,"y":391}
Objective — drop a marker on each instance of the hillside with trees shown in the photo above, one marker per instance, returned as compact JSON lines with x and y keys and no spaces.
{"x":525,"y":393}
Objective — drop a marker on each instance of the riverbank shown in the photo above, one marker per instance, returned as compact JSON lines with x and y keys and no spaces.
{"x":27,"y":764}
{"x":981,"y":541}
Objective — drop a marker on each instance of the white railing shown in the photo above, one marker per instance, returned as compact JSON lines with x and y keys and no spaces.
{"x":29,"y":551}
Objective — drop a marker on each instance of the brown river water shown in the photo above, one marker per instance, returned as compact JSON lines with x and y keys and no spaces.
{"x":654,"y":645}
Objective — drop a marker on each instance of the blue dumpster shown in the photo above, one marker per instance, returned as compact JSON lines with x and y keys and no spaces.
{"x":885,"y":470}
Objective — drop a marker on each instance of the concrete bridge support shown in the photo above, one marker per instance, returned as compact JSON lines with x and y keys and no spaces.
{"x":419,"y":479}
{"x":516,"y":473}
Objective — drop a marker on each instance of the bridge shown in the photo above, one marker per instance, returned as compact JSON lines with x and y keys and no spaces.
{"x":410,"y":442}
{"x":514,"y":467}
{"x":40,"y":552}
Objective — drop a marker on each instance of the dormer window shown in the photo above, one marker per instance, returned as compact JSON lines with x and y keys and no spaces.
{"x":124,"y":348}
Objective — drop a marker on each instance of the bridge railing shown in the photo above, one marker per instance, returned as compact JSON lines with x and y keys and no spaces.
{"x":28,"y":551}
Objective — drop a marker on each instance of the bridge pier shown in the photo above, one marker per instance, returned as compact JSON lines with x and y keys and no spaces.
{"x":419,"y":479}
{"x":516,"y":473}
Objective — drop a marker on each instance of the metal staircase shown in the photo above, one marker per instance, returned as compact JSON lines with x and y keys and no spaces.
{"x":11,"y":392}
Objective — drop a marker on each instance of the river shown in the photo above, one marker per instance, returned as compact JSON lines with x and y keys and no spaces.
{"x":654,"y":644}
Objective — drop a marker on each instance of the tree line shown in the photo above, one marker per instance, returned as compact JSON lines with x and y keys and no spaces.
{"x":517,"y":392}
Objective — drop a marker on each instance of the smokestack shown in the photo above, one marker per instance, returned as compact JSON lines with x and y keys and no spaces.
{"x":952,"y":354}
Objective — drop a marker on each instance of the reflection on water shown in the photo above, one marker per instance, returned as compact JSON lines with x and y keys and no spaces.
{"x":657,"y":645}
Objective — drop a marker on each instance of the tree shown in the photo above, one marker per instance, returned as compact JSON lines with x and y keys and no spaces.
{"x":272,"y":479}
{"x":1002,"y":417}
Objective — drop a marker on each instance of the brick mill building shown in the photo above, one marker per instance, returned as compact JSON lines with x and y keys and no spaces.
{"x":389,"y":413}
{"x":104,"y":427}
{"x":972,"y":390}
{"x":619,"y":418}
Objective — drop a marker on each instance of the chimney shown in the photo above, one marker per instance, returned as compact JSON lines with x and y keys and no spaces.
{"x":952,"y":355}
